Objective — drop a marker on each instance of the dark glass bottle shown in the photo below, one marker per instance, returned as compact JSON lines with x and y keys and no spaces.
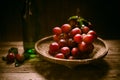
{"x":30,"y":26}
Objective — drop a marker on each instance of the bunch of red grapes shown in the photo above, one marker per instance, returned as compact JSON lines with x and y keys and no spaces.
{"x":72,"y":42}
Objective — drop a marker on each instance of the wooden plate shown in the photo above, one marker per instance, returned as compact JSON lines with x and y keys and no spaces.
{"x":99,"y":52}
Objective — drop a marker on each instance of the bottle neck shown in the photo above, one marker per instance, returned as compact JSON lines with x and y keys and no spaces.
{"x":30,"y":8}
{"x":27,"y":9}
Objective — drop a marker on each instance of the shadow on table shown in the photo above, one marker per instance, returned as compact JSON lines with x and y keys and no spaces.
{"x":51,"y":71}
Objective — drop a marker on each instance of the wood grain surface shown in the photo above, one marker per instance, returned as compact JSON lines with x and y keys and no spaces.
{"x":38,"y":69}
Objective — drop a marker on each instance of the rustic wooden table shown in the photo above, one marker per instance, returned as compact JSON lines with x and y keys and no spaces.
{"x":37,"y":69}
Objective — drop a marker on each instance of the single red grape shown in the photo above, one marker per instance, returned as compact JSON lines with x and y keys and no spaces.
{"x":88,"y":38}
{"x":66,"y":28}
{"x":85,"y":29}
{"x":10,"y":57}
{"x":20,"y":57}
{"x":62,"y":42}
{"x":65,"y":50}
{"x":78,"y":38}
{"x":75,"y":52}
{"x":92,"y":32}
{"x":57,"y":30}
{"x":60,"y":55}
{"x":75,"y":31}
{"x":82,"y":46}
{"x":54,"y":47}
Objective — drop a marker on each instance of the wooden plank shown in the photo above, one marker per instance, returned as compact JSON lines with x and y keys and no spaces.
{"x":21,"y":76}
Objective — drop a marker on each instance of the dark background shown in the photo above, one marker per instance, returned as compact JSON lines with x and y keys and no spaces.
{"x":103,"y":14}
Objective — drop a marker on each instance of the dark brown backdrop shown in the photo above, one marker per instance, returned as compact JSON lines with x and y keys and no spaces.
{"x":104,"y":15}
